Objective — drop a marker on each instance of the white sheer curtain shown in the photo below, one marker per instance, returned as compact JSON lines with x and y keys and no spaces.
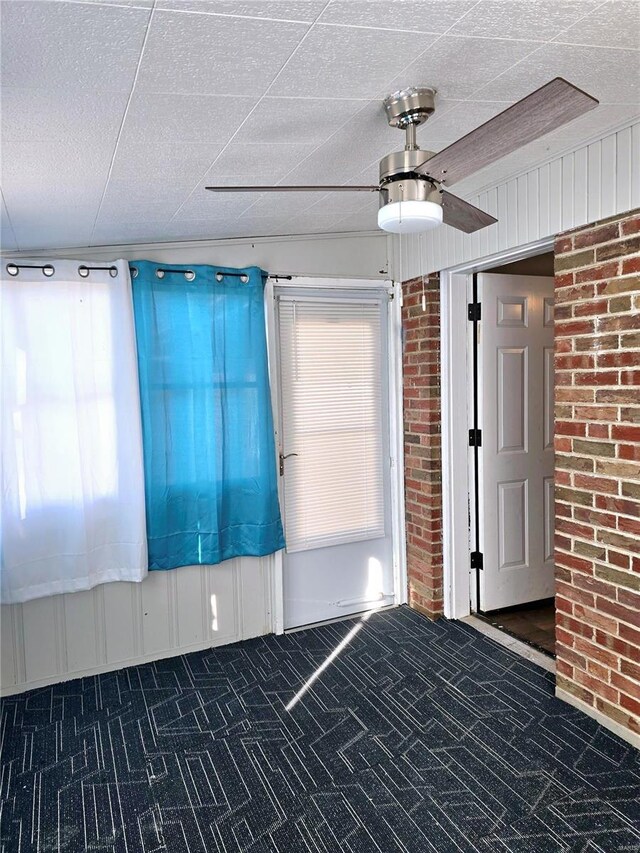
{"x":73,"y":512}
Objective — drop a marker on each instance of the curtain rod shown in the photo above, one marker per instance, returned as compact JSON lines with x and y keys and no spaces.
{"x":83,"y":270}
{"x":49,"y":269}
{"x":189,"y":274}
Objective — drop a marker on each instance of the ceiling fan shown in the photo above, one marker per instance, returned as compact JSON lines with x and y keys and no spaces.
{"x":412,"y":184}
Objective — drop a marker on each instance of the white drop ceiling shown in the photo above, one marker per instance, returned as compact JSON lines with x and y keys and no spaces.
{"x":115,"y":115}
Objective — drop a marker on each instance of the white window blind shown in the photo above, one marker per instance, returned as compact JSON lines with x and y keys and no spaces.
{"x":330,"y":362}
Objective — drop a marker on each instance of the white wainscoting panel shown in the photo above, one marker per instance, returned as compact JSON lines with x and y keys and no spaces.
{"x":122,"y":624}
{"x":593,"y":182}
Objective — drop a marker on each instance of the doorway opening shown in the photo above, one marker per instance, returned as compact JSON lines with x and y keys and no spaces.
{"x":512,"y":448}
{"x":498,"y":461}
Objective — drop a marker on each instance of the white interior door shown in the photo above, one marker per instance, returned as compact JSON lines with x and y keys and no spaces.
{"x":515,"y":395}
{"x":334,"y":435}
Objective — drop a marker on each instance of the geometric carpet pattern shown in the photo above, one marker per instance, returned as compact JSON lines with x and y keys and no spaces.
{"x":387,"y":734}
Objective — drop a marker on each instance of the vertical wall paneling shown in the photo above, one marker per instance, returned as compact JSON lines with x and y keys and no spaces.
{"x":39,"y":633}
{"x":80,"y":629}
{"x":512,"y":213}
{"x":533,"y":216}
{"x":225,"y":621}
{"x":8,"y":668}
{"x":492,"y":231}
{"x":592,"y":182}
{"x":522,"y":191}
{"x":121,"y":635}
{"x":122,"y":624}
{"x":608,"y":165}
{"x":555,"y":197}
{"x":156,"y":619}
{"x":580,"y":173}
{"x":568,"y":182}
{"x":502,"y":217}
{"x":635,"y":166}
{"x":190,"y":597}
{"x":623,"y":170}
{"x":543,"y":200}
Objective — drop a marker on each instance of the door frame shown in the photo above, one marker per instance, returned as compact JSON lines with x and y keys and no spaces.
{"x":458,"y":470}
{"x":396,"y":433}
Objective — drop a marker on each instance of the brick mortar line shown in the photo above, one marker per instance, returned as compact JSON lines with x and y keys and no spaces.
{"x":574,"y":536}
{"x":592,"y":640}
{"x":620,"y":549}
{"x":597,"y":422}
{"x":610,"y":241}
{"x":598,"y":297}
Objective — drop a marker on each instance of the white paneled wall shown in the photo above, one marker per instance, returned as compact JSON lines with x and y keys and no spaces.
{"x":590,"y":183}
{"x":121,"y":624}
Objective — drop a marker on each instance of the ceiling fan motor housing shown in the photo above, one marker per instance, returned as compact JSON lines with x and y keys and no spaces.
{"x":402,"y":162}
{"x":409,"y":189}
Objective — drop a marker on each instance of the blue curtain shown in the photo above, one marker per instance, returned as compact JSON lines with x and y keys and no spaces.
{"x":209,"y":456}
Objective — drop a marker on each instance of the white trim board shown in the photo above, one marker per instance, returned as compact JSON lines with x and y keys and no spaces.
{"x":457,"y":471}
{"x":333,"y":255}
{"x":503,"y":639}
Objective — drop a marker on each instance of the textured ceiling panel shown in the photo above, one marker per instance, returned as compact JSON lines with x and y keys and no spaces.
{"x":162,"y":118}
{"x":523,"y":19}
{"x":258,"y":164}
{"x":80,"y":117}
{"x":610,"y":76}
{"x":428,"y":16}
{"x":276,"y":120}
{"x":282,"y":10}
{"x":338,"y":61}
{"x":7,"y":235}
{"x":115,"y":115}
{"x":456,"y":66}
{"x":215,"y":55}
{"x":64,"y":47}
{"x":614,"y":24}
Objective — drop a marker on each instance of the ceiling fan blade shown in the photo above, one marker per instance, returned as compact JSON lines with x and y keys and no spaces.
{"x":464,"y":216}
{"x":544,"y":110}
{"x":283,"y":189}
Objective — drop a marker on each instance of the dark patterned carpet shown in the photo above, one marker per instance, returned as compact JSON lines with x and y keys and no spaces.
{"x":414,"y":737}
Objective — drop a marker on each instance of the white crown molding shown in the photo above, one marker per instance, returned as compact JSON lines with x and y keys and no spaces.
{"x":131,"y":250}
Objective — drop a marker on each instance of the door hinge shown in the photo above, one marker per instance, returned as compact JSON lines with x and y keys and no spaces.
{"x":475,"y":438}
{"x":477,"y":560}
{"x":474,"y":311}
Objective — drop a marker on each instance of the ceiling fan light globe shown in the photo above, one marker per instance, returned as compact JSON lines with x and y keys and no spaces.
{"x":409,"y":217}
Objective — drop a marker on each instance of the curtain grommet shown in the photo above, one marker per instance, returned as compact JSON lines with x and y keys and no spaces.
{"x":189,"y":275}
{"x":219,"y":276}
{"x":113,"y":271}
{"x":159,"y":273}
{"x":83,"y":271}
{"x":244,"y":278}
{"x":13,"y":269}
{"x":134,"y":272}
{"x":48,"y":270}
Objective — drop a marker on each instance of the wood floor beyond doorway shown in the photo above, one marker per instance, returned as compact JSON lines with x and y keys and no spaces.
{"x":533,"y":623}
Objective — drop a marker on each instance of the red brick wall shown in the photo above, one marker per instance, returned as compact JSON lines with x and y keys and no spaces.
{"x":597,"y":361}
{"x":423,"y":477}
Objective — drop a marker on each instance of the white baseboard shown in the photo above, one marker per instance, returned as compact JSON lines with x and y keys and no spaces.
{"x":607,"y":722}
